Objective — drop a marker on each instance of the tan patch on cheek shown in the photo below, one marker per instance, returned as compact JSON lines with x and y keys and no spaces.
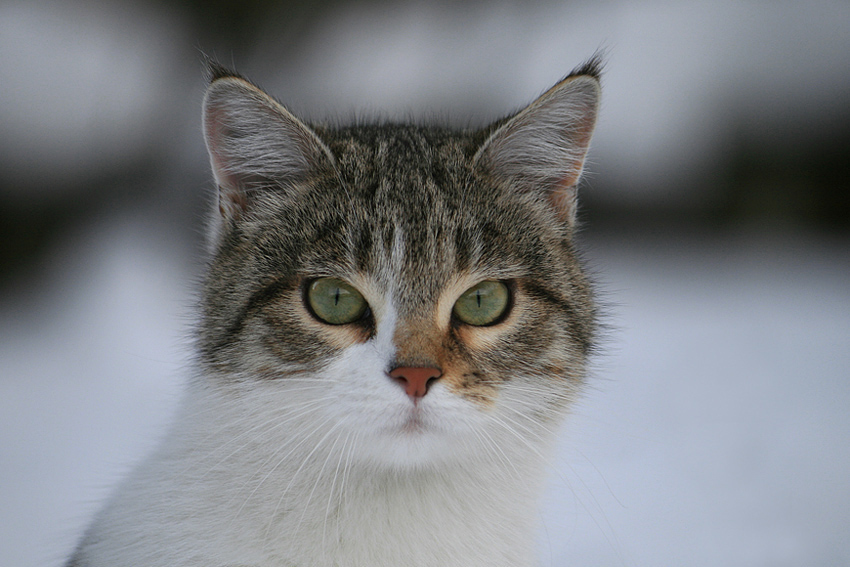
{"x":471,"y":384}
{"x":344,"y":336}
{"x":435,"y":341}
{"x":424,"y":342}
{"x":418,"y":343}
{"x":431,"y":347}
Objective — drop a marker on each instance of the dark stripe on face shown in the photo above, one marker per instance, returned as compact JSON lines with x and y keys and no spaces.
{"x":269,"y":293}
{"x":363,"y":249}
{"x":464,"y":243}
{"x":579,"y":328}
{"x":257,"y":301}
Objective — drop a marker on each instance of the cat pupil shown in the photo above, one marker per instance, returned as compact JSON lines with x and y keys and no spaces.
{"x":334,"y":301}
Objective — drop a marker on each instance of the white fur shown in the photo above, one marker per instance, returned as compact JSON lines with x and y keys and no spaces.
{"x":338,"y":469}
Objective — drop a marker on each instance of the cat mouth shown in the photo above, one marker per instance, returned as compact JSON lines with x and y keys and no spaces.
{"x":414,"y":423}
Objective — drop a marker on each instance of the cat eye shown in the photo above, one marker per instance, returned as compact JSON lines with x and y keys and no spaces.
{"x":482,"y":304}
{"x":335,"y":302}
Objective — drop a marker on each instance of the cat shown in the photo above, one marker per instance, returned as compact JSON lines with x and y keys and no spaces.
{"x":393,"y":323}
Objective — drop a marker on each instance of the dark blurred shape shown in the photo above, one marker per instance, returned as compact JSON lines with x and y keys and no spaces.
{"x":770,"y":174}
{"x":806,"y":182}
{"x":28,"y":229}
{"x":233,"y":21}
{"x":233,"y":25}
{"x":776,"y":157}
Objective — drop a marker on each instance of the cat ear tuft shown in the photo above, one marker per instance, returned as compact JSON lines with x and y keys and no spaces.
{"x":254,"y":143}
{"x":213,"y":70}
{"x":542,"y":148}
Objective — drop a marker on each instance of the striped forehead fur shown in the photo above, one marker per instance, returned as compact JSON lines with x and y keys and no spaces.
{"x":412,"y":190}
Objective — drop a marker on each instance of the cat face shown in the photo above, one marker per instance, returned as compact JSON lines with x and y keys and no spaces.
{"x":418,"y":286}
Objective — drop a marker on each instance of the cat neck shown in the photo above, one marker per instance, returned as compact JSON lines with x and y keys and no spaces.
{"x":289,"y":503}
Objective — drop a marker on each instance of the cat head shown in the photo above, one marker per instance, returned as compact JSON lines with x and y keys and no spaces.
{"x":418,"y":285}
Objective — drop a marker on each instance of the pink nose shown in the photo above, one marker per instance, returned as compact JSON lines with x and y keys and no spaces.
{"x":415,"y":379}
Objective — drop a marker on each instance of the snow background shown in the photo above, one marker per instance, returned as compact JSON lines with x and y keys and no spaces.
{"x":716,"y":428}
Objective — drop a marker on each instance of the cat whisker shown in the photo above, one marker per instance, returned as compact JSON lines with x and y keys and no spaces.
{"x":597,"y":506}
{"x":265,"y":427}
{"x":304,"y":461}
{"x":331,"y":492}
{"x":497,"y":451}
{"x":275,"y":467}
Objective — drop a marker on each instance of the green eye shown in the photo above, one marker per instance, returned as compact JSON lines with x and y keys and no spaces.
{"x":482,"y":304}
{"x":335,"y":302}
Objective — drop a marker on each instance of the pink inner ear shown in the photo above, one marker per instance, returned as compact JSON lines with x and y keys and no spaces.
{"x":232,"y":200}
{"x":563,"y":200}
{"x":213,"y":127}
{"x":231,"y":203}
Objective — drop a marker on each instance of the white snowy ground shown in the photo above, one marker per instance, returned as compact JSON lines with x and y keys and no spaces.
{"x":718,"y":432}
{"x":715,"y":431}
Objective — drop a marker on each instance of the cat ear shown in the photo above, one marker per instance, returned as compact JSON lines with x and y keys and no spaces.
{"x":542,"y":148}
{"x":254,"y":142}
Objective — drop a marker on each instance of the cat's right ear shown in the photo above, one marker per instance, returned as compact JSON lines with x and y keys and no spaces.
{"x":542,"y":148}
{"x":254,"y":143}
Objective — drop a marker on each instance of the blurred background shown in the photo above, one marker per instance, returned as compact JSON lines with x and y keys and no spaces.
{"x":716,"y":217}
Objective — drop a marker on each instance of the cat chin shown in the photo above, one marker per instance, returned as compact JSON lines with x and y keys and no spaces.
{"x":412,"y":451}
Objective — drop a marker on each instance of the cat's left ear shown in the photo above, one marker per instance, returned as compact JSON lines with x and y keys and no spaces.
{"x":255,"y":143}
{"x":543,"y":147}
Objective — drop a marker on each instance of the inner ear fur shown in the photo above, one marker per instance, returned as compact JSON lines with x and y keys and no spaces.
{"x":255,"y":143}
{"x":543,"y":147}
